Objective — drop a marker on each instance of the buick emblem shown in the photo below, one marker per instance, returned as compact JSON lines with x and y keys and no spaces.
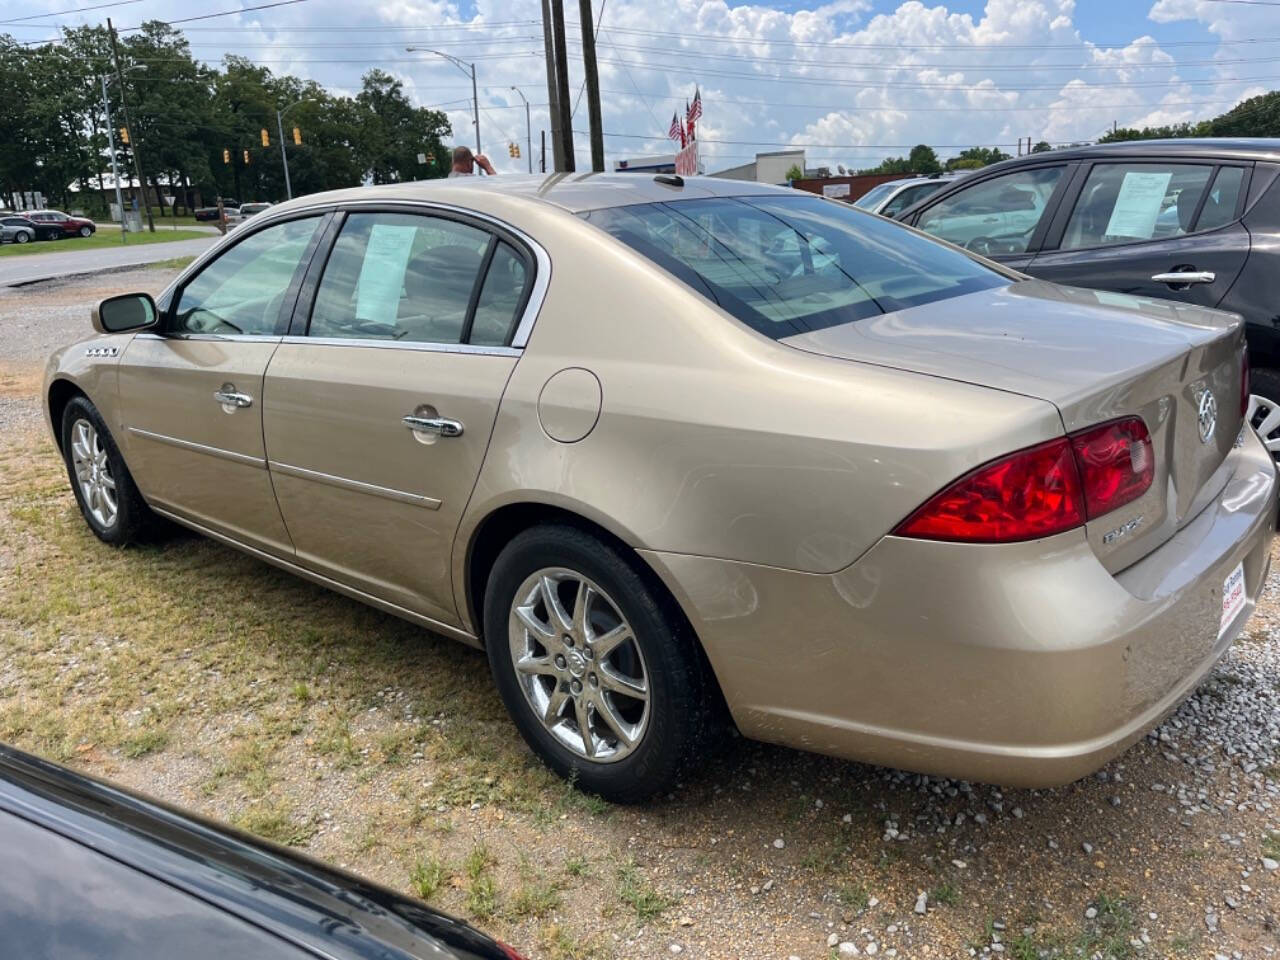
{"x":1208,"y":416}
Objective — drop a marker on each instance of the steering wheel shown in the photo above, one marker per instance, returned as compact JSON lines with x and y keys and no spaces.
{"x":983,"y":246}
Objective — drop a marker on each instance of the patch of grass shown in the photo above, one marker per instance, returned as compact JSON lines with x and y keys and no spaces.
{"x":145,"y":742}
{"x":427,"y":876}
{"x":482,"y":897}
{"x":947,"y":894}
{"x":173,"y":263}
{"x":536,"y":897}
{"x":478,"y":860}
{"x":104,"y":239}
{"x":1108,"y":934}
{"x":334,"y":740}
{"x":640,"y":895}
{"x":275,"y":822}
{"x":557,"y":944}
{"x":853,"y":895}
{"x":301,"y":692}
{"x":575,"y":866}
{"x":1271,"y":845}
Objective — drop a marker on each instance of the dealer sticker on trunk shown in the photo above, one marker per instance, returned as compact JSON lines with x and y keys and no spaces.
{"x":1232,"y":597}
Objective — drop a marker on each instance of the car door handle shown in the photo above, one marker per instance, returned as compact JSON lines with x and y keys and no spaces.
{"x":228,"y":396}
{"x":1186,"y":276}
{"x":438,"y":426}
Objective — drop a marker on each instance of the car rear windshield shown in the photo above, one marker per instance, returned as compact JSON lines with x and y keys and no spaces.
{"x":790,"y":265}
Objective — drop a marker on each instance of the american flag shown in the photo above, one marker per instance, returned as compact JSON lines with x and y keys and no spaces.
{"x":676,"y":132}
{"x":695,"y":111}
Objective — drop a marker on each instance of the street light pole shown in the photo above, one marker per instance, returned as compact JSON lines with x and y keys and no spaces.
{"x":115,"y":169}
{"x":134,"y":147}
{"x":467,"y":68}
{"x":284,"y":158}
{"x":528,"y":127}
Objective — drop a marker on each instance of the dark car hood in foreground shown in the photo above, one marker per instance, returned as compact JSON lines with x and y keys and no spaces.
{"x":322,"y":910}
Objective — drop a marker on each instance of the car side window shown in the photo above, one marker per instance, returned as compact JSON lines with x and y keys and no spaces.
{"x":243,"y":290}
{"x":402,"y":277}
{"x":500,"y":297}
{"x":1127,"y":202}
{"x":997,"y":216}
{"x":1220,"y":206}
{"x":906,"y":198}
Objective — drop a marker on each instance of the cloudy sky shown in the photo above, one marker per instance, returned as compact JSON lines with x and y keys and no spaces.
{"x":852,"y":80}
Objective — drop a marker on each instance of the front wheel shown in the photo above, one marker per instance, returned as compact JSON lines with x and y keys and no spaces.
{"x":108,"y":498}
{"x":86,"y":231}
{"x":599,"y":672}
{"x":21,"y":236}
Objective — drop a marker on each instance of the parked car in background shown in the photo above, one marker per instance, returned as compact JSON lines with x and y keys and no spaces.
{"x":18,"y":229}
{"x":890,"y":199}
{"x":211,"y":212}
{"x":68,"y":225}
{"x":662,"y":444}
{"x":249,"y":209}
{"x":1191,"y":220}
{"x":94,"y":870}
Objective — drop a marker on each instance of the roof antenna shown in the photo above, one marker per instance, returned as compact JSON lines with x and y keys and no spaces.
{"x":671,"y":179}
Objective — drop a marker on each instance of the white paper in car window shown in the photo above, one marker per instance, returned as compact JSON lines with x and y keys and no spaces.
{"x":386,"y":256}
{"x":1138,"y":204}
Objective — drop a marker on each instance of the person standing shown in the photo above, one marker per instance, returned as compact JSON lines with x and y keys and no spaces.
{"x":465,"y":163}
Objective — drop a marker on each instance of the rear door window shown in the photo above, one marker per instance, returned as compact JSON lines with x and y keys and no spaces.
{"x":1130,"y":202}
{"x":789,"y":265}
{"x":1224,"y":197}
{"x":997,"y":217}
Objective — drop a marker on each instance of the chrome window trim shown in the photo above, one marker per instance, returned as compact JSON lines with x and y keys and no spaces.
{"x":194,"y":447}
{"x":423,"y":346}
{"x":231,"y":337}
{"x":261,"y":221}
{"x":358,"y":486}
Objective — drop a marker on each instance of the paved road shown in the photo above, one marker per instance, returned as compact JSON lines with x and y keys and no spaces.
{"x":15,"y":271}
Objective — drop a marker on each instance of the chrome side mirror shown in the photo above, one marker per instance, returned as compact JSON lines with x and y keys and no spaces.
{"x":130,"y":311}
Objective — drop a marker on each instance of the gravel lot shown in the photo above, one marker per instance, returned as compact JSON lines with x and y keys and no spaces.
{"x":212,"y":681}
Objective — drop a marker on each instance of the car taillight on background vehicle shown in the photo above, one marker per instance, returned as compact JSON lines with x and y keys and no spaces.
{"x":1042,"y":490}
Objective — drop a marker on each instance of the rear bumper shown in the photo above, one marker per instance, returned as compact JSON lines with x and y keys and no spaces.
{"x":1021,"y":664}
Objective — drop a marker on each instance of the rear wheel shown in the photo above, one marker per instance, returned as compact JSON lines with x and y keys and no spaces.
{"x":1264,"y":406}
{"x":601,"y":675}
{"x":108,"y":498}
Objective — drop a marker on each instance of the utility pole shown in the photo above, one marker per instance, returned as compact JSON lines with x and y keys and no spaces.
{"x":553,"y":91}
{"x":115,"y":169}
{"x":565,"y":162}
{"x":284,"y":158}
{"x":128,"y":125}
{"x":593,"y":85}
{"x":528,"y":127}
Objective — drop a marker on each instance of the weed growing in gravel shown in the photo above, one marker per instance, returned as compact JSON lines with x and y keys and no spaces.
{"x":275,"y":822}
{"x":1107,"y":935}
{"x":946,"y":894}
{"x":427,"y":876}
{"x":575,"y":866}
{"x":148,"y":741}
{"x":1271,"y":845}
{"x":536,"y":897}
{"x":640,"y":895}
{"x":853,"y":896}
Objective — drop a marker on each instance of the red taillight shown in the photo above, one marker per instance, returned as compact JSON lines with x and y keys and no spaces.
{"x":1042,"y":490}
{"x":1244,"y":383}
{"x":1029,"y":494}
{"x":1116,"y":464}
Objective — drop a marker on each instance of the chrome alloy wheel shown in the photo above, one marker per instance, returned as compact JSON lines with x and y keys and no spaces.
{"x":578,"y":664}
{"x":1264,"y":416}
{"x":93,"y":473}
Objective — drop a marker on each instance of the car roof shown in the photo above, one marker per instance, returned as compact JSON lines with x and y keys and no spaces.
{"x":1190,"y":148}
{"x":318,"y":908}
{"x":574,"y":192}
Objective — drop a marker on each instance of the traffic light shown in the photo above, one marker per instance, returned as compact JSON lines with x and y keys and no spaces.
{"x":513,"y":150}
{"x":226,"y":156}
{"x":297,"y":137}
{"x":431,"y":158}
{"x":246,"y":158}
{"x":124,"y":135}
{"x":266,"y":139}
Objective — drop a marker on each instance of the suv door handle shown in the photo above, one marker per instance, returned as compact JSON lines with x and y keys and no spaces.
{"x":1186,"y":277}
{"x":437,"y":426}
{"x":228,"y":396}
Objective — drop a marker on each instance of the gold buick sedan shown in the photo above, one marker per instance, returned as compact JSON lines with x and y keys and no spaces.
{"x":663,"y":446}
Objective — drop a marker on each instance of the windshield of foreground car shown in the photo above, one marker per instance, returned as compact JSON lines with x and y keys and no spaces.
{"x":789,"y":265}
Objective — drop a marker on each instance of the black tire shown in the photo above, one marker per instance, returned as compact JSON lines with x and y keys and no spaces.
{"x":132,"y":517}
{"x":679,"y":686}
{"x":86,"y":231}
{"x":22,"y":236}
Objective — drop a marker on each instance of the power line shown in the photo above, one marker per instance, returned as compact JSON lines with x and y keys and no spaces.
{"x":63,"y":13}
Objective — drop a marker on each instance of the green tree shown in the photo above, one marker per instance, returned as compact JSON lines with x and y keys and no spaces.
{"x":976,"y":157}
{"x":794,"y":172}
{"x":922,"y":159}
{"x":1042,"y":146}
{"x":393,"y":131}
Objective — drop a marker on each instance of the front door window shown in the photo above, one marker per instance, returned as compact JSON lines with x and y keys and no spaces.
{"x":997,"y":217}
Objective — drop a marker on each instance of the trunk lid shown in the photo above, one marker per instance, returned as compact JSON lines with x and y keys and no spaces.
{"x":1095,"y":355}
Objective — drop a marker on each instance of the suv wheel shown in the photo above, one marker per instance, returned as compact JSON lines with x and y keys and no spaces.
{"x":601,"y":675}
